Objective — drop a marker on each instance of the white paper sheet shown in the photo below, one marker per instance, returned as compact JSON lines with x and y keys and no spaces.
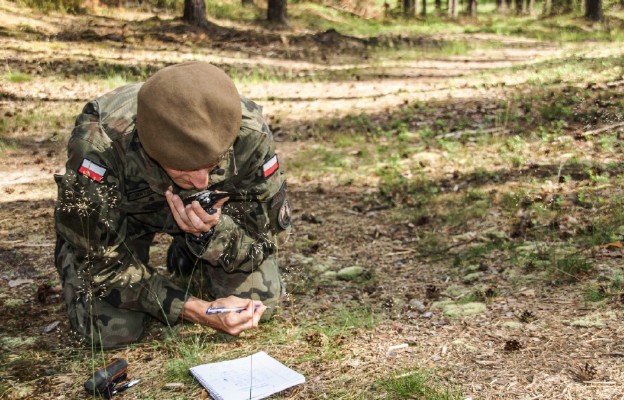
{"x":253,"y":377}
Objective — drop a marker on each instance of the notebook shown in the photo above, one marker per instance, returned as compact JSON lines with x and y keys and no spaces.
{"x":252,"y":377}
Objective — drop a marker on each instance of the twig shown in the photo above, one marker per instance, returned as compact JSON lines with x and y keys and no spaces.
{"x":459,"y":134}
{"x":603,"y":129}
{"x":19,"y":243}
{"x":401,"y":252}
{"x":559,"y":172}
{"x":432,"y":253}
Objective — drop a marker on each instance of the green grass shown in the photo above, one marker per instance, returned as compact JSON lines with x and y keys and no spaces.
{"x":188,"y":353}
{"x":417,"y":384}
{"x":233,"y":11}
{"x":16,"y":77}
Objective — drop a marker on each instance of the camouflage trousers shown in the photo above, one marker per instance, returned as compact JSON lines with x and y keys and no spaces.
{"x":102,"y":324}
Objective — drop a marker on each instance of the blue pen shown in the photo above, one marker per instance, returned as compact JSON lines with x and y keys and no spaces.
{"x":223,"y":310}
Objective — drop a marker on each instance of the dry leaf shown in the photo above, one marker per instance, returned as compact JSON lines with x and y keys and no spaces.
{"x":51,"y":326}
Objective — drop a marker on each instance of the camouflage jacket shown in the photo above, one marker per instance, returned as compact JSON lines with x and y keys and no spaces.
{"x":112,"y":193}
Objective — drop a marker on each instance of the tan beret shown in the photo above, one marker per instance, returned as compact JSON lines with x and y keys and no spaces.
{"x":188,"y":115}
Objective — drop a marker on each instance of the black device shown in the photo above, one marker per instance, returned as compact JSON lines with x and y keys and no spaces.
{"x":207,"y":198}
{"x":103,"y":381}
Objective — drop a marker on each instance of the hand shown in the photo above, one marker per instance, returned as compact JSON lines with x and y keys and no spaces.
{"x":231,"y":323}
{"x":192,"y":218}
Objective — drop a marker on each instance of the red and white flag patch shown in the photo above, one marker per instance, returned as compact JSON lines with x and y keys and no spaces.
{"x":92,"y":170}
{"x":270,"y":167}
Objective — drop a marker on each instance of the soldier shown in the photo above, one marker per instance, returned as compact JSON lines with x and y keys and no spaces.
{"x":133,"y":156}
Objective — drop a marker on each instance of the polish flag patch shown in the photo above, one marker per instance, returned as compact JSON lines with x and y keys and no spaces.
{"x":92,"y":170}
{"x":270,"y":167}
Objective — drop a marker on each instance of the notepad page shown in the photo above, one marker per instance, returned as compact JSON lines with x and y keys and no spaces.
{"x":253,"y":377}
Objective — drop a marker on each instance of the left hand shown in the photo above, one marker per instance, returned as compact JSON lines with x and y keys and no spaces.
{"x":231,"y":323}
{"x":193,"y":218}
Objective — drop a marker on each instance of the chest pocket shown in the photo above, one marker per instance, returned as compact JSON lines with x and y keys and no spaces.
{"x":143,"y":200}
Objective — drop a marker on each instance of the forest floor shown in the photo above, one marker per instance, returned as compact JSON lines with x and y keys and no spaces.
{"x":479,"y":194}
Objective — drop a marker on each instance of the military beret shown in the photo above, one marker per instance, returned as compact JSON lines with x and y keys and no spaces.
{"x":188,"y":115}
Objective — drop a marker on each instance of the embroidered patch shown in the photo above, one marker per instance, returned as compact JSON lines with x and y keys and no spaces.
{"x":270,"y":167}
{"x":279,"y":196}
{"x":284,"y":217}
{"x":139,"y":193}
{"x":92,"y":170}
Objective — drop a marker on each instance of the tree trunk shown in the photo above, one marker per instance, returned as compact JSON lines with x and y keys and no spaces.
{"x":408,"y":8}
{"x":509,"y":4}
{"x":546,"y":8}
{"x":501,"y":6}
{"x":438,"y":6}
{"x":472,"y":8}
{"x":593,"y":10}
{"x":195,"y":13}
{"x":276,"y":12}
{"x":519,"y":7}
{"x":423,"y":12}
{"x":247,"y":3}
{"x":453,"y":8}
{"x":530,"y":6}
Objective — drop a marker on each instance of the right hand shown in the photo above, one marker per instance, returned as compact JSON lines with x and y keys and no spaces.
{"x":192,"y":218}
{"x":231,"y":323}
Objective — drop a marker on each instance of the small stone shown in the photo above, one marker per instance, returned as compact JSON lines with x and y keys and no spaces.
{"x":473,"y":268}
{"x":329,"y":275}
{"x":18,"y":282}
{"x":417,"y":305}
{"x":350,"y":273}
{"x":320,"y":267}
{"x":428,"y":314}
{"x":470,"y":278}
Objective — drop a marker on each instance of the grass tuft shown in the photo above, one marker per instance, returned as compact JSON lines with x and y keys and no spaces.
{"x":417,"y":385}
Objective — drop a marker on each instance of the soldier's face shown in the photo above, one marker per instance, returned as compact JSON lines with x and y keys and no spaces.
{"x":196,"y":179}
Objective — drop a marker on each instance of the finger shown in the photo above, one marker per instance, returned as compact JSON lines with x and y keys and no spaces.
{"x":197,"y":217}
{"x":179,"y":211}
{"x":258,"y":312}
{"x":208,"y":218}
{"x":174,"y":210}
{"x":253,"y":313}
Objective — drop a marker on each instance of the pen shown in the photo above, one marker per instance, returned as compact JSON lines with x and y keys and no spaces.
{"x":223,"y":310}
{"x":126,"y":386}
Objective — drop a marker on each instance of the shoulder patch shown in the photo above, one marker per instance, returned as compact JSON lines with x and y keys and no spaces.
{"x":284,"y":218}
{"x":92,"y":170}
{"x":269,"y":167}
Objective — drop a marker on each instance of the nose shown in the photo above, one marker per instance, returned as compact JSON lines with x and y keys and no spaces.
{"x":200,"y":179}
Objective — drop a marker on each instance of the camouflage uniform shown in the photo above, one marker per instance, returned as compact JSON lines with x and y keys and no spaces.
{"x":111,"y":203}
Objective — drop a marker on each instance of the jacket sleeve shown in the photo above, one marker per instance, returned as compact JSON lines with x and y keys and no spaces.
{"x":248,"y":231}
{"x":90,"y":218}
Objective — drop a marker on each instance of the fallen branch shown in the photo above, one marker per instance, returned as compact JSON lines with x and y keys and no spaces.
{"x":20,"y":243}
{"x":458,"y":134}
{"x":603,"y":129}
